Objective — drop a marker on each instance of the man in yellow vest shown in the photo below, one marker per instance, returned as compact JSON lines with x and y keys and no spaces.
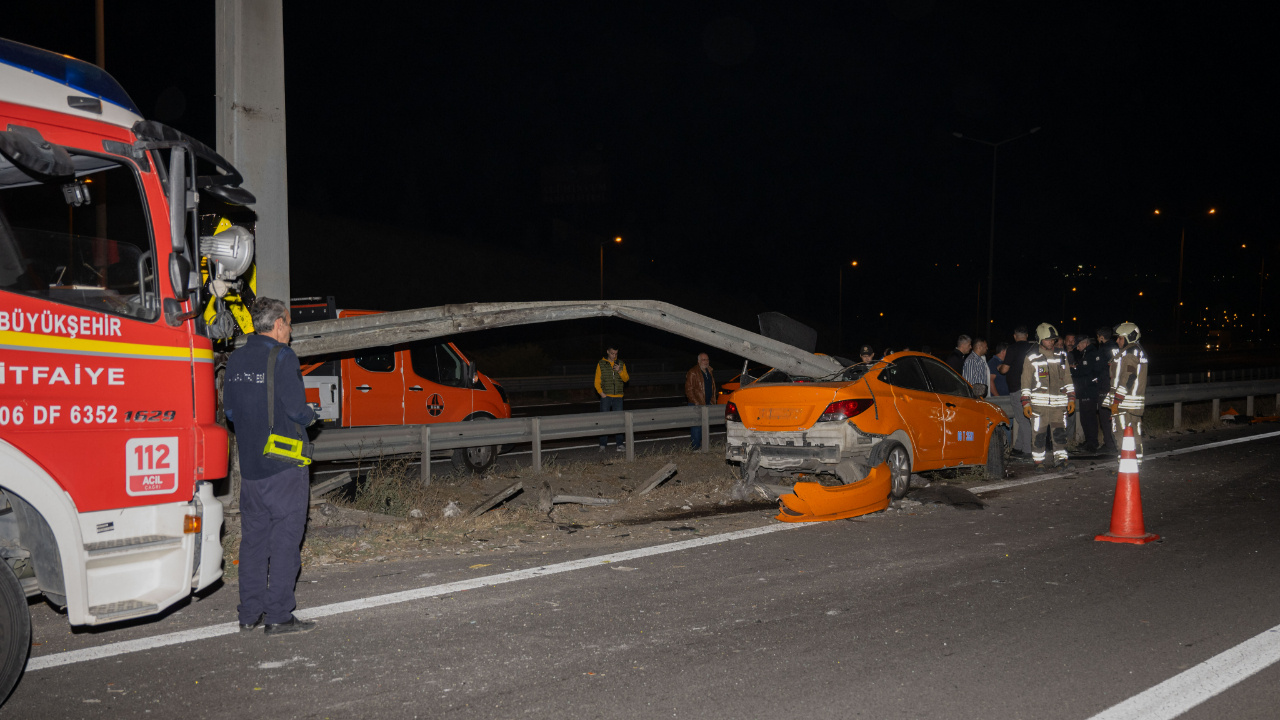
{"x":611,"y":373}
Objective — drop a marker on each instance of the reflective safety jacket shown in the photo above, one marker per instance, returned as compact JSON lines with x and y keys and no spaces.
{"x":1129,"y":380}
{"x":1046,"y":379}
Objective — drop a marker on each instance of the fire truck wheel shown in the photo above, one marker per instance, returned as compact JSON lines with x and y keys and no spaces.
{"x":476,"y":459}
{"x":15,"y":630}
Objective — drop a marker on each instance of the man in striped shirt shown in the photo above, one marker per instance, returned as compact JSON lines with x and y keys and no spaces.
{"x":975,"y":366}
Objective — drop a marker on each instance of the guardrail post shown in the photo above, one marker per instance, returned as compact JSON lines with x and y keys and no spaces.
{"x":1216,"y":413}
{"x":426,"y":456}
{"x":630,"y":435}
{"x":535,"y":427}
{"x":1248,"y":405}
{"x":1177,"y":415}
{"x":706,"y":428}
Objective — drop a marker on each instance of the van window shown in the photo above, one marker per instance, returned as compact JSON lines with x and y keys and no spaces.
{"x":437,"y":363}
{"x":381,"y":359}
{"x":85,"y":242}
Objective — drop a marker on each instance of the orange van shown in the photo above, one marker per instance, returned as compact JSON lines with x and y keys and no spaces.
{"x":419,"y":383}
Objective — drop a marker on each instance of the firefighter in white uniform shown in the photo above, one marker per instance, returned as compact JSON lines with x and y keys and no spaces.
{"x":1127,"y":396}
{"x":1048,"y":396}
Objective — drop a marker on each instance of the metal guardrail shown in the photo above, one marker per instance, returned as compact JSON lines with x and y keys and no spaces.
{"x":585,"y":382}
{"x":357,"y":443}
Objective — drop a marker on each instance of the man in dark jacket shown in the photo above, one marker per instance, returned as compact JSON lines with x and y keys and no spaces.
{"x":1107,"y":351}
{"x":1014,"y":357}
{"x":274,"y":493}
{"x":1084,"y":376}
{"x":699,"y":389}
{"x":961,"y":351}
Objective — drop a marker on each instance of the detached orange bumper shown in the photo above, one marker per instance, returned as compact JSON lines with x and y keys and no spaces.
{"x":813,"y":502}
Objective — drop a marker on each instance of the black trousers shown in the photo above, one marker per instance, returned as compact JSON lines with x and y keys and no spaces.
{"x":1089,"y":423}
{"x":273,"y":518}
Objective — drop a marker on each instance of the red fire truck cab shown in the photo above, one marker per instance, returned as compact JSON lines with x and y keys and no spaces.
{"x":108,"y":437}
{"x":430,"y":381}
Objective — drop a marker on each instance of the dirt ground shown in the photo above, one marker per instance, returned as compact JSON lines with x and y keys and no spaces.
{"x":392,"y":517}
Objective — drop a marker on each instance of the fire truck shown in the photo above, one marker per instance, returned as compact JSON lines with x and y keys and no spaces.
{"x":417,"y":383}
{"x":108,"y":439}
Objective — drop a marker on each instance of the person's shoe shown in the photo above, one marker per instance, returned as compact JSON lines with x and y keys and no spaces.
{"x":1040,"y":468}
{"x":622,"y":447}
{"x":250,"y":627}
{"x":1110,"y":450}
{"x":292,"y":625}
{"x":1066,"y":466}
{"x":1018,"y":453}
{"x":601,"y":448}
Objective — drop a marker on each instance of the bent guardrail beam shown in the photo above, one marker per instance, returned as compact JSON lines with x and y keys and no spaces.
{"x":324,"y":337}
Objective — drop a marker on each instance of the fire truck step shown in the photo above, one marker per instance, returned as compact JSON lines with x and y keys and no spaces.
{"x":123,"y":610}
{"x":125,"y":546}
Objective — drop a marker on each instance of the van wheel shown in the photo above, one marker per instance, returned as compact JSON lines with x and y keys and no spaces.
{"x":995,"y":456}
{"x":899,"y":466}
{"x":15,"y":630}
{"x":475,"y":459}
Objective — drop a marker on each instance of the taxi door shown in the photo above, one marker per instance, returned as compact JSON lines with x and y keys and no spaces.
{"x":920,"y":410}
{"x":373,"y":388}
{"x":965,"y":422}
{"x":436,"y":389}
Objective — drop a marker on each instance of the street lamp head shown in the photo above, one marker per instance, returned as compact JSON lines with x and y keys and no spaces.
{"x":1157,"y":211}
{"x":1213,"y":211}
{"x":618,"y":239}
{"x":854,"y":263}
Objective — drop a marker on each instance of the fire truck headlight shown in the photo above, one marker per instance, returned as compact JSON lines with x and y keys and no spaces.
{"x":231,"y":251}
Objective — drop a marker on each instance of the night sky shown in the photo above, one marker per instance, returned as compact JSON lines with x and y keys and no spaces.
{"x":746,"y":152}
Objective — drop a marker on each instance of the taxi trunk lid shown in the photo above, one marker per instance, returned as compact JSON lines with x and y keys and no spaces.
{"x":784,"y":407}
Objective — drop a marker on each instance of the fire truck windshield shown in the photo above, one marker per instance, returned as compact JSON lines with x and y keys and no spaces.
{"x":84,"y":242}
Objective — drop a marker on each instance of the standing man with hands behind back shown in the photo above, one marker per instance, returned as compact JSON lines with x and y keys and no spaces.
{"x":275,"y":492}
{"x":699,"y":389}
{"x":611,"y":373}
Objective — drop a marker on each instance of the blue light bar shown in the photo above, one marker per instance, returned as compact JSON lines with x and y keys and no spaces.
{"x":80,"y":76}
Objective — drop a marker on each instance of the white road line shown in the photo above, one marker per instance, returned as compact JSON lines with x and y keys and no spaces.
{"x":211,"y":631}
{"x":1186,"y":690}
{"x":1114,"y":463}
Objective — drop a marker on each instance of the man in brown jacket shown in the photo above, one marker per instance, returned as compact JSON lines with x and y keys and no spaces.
{"x":699,"y":389}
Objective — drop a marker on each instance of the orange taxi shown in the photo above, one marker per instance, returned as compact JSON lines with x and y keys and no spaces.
{"x":909,"y":411}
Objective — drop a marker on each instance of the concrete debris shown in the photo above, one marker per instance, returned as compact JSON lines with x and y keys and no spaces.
{"x":452,"y":510}
{"x":580,"y":500}
{"x":415,"y":513}
{"x":502,"y":495}
{"x":658,"y":478}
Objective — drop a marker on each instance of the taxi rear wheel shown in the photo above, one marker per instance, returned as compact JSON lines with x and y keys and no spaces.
{"x":899,"y":461}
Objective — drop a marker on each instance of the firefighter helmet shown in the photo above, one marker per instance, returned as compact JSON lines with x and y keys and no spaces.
{"x":1128,"y":331}
{"x":1045,"y":331}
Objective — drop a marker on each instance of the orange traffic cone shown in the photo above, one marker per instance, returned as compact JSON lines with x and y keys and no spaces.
{"x":1126,"y":513}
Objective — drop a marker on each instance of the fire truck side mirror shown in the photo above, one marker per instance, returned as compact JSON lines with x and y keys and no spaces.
{"x":178,"y":199}
{"x":179,"y":274}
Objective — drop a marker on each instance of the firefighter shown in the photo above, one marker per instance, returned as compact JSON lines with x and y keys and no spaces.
{"x":1048,"y":396}
{"x":1127,"y":396}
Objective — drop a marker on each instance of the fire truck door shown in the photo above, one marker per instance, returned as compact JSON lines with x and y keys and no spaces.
{"x":373,"y":388}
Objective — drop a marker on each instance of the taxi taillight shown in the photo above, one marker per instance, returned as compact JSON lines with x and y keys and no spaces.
{"x":842,"y":410}
{"x":731,"y":412}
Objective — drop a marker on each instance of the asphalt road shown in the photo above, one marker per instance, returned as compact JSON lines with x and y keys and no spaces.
{"x":1012,"y":611}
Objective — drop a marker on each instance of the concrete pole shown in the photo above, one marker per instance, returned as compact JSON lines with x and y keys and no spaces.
{"x":251,"y":124}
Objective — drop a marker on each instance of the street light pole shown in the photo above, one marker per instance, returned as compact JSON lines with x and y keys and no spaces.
{"x":991,"y":244}
{"x":1182,"y":247}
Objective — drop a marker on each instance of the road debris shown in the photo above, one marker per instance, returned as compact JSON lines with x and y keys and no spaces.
{"x":658,"y":478}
